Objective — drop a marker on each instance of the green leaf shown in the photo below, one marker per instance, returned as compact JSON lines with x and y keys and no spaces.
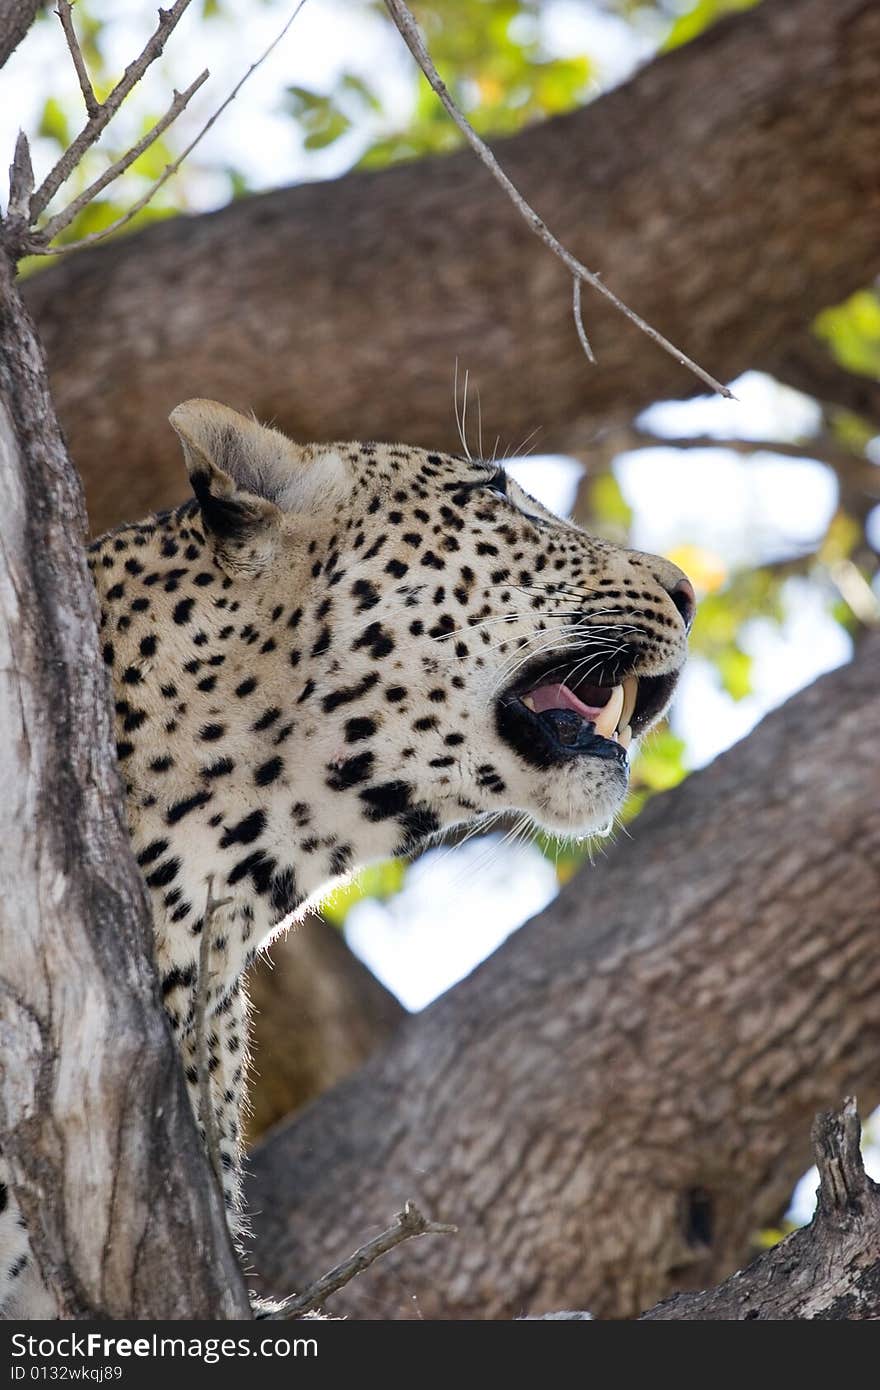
{"x":54,"y":124}
{"x":852,"y":332}
{"x":379,"y":881}
{"x":735,"y":669}
{"x":699,"y":17}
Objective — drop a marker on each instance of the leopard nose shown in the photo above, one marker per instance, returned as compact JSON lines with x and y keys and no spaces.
{"x":685,"y":600}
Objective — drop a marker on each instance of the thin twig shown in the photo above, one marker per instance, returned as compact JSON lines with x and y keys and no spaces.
{"x":406,"y":24}
{"x":38,"y":248}
{"x":96,"y":124}
{"x":65,"y":14}
{"x":408,"y":1223}
{"x":579,"y":321}
{"x":63,"y":219}
{"x":203,"y":1052}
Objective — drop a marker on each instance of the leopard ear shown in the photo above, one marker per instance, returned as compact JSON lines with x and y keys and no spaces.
{"x":234,"y":466}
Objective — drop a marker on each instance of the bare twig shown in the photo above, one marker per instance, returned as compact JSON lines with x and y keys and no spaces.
{"x":203,"y":1051}
{"x":36,"y":245}
{"x":97,"y":123}
{"x":408,"y":1223}
{"x":21,"y":182}
{"x":406,"y":24}
{"x":65,"y":14}
{"x":63,"y":219}
{"x":579,"y":321}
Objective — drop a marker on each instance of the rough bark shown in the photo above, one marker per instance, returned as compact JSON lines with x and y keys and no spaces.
{"x":16,"y":17}
{"x":830,"y":1270}
{"x":94,"y":1119}
{"x":318,"y":1015}
{"x":727,"y":192}
{"x":615,"y":1102}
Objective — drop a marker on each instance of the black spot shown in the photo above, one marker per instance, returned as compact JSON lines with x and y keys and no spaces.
{"x":352,"y":692}
{"x":182,"y":611}
{"x":350,"y":772}
{"x":221,"y":768}
{"x":211,"y":732}
{"x":386,"y":800}
{"x":177,"y":979}
{"x":283,"y":892}
{"x":266,"y":718}
{"x":357,"y":729}
{"x":259,"y":865}
{"x":247,"y":830}
{"x":322,"y":642}
{"x":152,"y":851}
{"x":148,"y":645}
{"x":161,"y":764}
{"x":164,"y":874}
{"x":108,"y":653}
{"x":134,"y":720}
{"x":247,"y":687}
{"x":380,"y":642}
{"x":366,"y":594}
{"x":131,"y":675}
{"x":268,"y":771}
{"x":183,"y":808}
{"x":397,"y":568}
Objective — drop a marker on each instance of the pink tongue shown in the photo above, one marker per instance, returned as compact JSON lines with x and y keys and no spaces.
{"x":560,"y":697}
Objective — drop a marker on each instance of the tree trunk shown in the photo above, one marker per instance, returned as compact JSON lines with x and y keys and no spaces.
{"x":16,"y":17}
{"x":613,"y":1104}
{"x":728,"y":192}
{"x":95,"y":1125}
{"x":318,"y":1015}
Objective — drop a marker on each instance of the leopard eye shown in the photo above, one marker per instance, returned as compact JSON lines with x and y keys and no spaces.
{"x":498,"y":483}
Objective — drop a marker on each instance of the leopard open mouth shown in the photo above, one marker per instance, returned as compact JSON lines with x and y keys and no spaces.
{"x":550,"y":716}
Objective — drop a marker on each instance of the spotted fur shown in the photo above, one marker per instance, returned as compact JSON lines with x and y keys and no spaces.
{"x":311,"y":663}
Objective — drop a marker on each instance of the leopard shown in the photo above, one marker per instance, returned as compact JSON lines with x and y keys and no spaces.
{"x":332,"y":654}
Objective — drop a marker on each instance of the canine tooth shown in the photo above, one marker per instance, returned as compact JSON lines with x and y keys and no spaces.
{"x":625,"y":736}
{"x":609,"y":717}
{"x":630,"y":695}
{"x":528,"y":702}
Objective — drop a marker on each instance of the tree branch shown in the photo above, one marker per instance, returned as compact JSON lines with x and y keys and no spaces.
{"x":829,"y":1269}
{"x":63,"y":219}
{"x":65,"y":14}
{"x":407,"y":1224}
{"x":16,"y":17}
{"x":105,"y":111}
{"x":37,"y":243}
{"x":405,"y":22}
